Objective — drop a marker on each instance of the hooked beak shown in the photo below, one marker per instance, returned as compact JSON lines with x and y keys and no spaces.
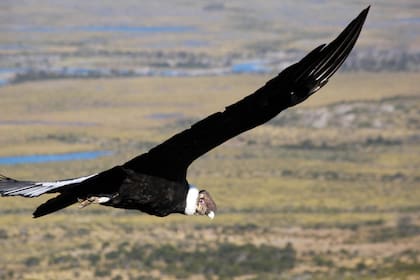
{"x":211,"y":215}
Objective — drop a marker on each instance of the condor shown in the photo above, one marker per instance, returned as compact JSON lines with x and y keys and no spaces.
{"x":156,"y":182}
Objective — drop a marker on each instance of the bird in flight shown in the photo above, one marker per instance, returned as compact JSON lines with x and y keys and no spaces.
{"x":156,"y":182}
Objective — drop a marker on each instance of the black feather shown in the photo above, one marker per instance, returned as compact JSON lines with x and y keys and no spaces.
{"x":54,"y":204}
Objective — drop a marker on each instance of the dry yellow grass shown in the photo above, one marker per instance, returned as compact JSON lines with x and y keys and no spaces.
{"x":267,"y":193}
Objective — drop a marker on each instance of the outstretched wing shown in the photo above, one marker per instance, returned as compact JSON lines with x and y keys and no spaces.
{"x":296,"y":83}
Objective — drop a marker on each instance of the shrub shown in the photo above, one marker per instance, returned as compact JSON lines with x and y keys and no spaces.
{"x":112,"y":255}
{"x":3,"y":234}
{"x":102,"y":272}
{"x":32,"y":261}
{"x":322,"y":261}
{"x":93,"y":259}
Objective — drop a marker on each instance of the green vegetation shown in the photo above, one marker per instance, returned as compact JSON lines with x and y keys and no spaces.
{"x":333,"y":202}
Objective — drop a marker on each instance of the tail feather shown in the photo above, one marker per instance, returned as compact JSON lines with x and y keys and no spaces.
{"x":54,"y":204}
{"x":70,"y":190}
{"x":12,"y":187}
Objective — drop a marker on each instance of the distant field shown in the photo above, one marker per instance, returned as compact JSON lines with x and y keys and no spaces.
{"x":56,"y":27}
{"x":327,"y":190}
{"x":49,"y":39}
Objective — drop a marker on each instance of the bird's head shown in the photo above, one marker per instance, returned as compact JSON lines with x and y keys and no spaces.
{"x":200,"y":203}
{"x":205,"y":205}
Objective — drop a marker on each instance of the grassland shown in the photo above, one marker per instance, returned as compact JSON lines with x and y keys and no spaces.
{"x":328,"y":190}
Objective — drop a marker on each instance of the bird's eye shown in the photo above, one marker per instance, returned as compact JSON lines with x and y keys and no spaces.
{"x":201,"y":200}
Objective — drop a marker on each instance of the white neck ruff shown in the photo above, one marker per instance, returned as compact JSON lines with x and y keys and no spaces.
{"x":191,"y":203}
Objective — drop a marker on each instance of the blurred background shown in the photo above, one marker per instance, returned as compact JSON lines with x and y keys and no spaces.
{"x":327,"y":190}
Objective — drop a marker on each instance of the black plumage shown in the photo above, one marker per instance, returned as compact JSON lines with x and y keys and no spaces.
{"x":155,"y":182}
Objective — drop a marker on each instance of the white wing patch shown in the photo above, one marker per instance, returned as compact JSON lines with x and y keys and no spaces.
{"x":39,"y":188}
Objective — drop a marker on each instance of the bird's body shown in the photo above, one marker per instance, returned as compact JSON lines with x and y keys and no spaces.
{"x":153,"y":195}
{"x":117,"y":187}
{"x":156,"y":182}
